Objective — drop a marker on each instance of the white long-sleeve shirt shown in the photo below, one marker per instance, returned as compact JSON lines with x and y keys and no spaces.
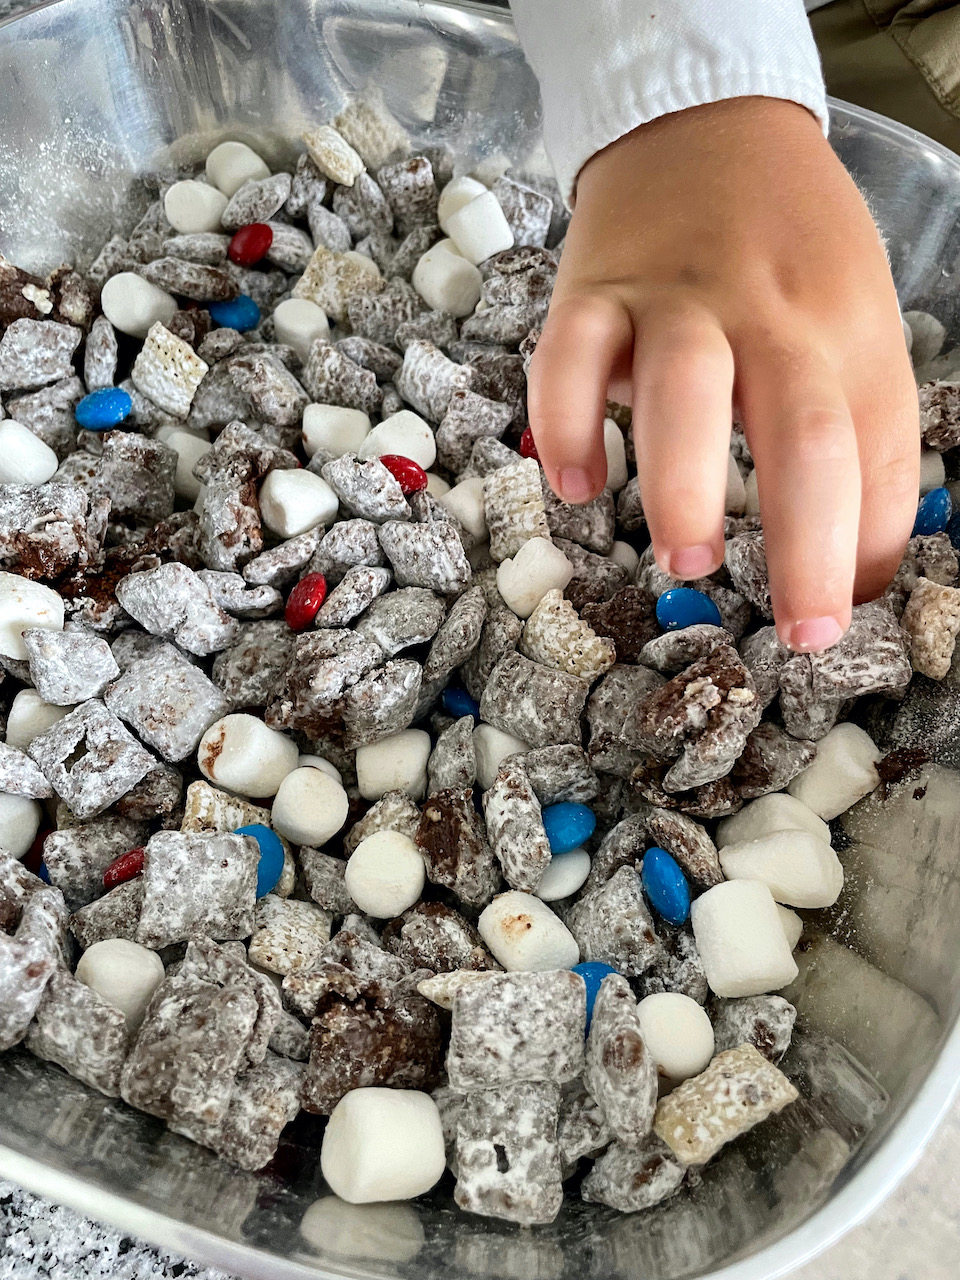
{"x":608,"y":66}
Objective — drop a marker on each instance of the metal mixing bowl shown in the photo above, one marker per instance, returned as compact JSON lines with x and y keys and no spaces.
{"x":96,"y":93}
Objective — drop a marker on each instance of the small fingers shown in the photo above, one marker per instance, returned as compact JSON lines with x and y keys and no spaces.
{"x":569,"y":375}
{"x":682,"y":415}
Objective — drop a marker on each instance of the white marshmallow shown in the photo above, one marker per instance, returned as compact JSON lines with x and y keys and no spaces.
{"x":404,"y":433}
{"x":447,"y":282}
{"x":30,"y":715}
{"x":623,"y":554}
{"x":25,"y":604}
{"x":616,"y":450}
{"x":189,"y":449}
{"x":24,"y":458}
{"x":192,"y":207}
{"x":524,"y":934}
{"x":565,"y":874}
{"x":318,"y":762}
{"x":436,"y":485}
{"x":455,"y":196}
{"x":751,"y":495}
{"x":907,"y":335}
{"x":241,"y":753}
{"x":124,"y":973}
{"x":398,"y":763}
{"x":231,"y":164}
{"x":19,"y":823}
{"x":292,"y":502}
{"x":736,"y":496}
{"x":777,"y":812}
{"x":465,"y":502}
{"x":371,"y":1232}
{"x":843,"y":772}
{"x":524,"y":579}
{"x":677,"y":1033}
{"x":927,"y":335}
{"x":492,"y":746}
{"x":310,"y":807}
{"x":298,"y":322}
{"x":480,"y":229}
{"x":334,"y":428}
{"x":932,"y":471}
{"x":741,"y":940}
{"x":792,"y":926}
{"x":797,"y":868}
{"x":383,"y":1144}
{"x":134,"y":305}
{"x":385,"y":874}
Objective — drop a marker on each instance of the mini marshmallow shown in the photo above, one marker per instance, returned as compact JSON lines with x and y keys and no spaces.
{"x":751,"y":495}
{"x":907,"y":334}
{"x":447,"y":282}
{"x":334,"y":429}
{"x":492,"y":746}
{"x":524,"y":579}
{"x":231,"y":164}
{"x":298,"y":322}
{"x":465,"y":503}
{"x":792,"y":926}
{"x":932,"y":471}
{"x":480,"y":228}
{"x":565,"y":874}
{"x":292,"y":502}
{"x":124,"y":973}
{"x":29,"y":716}
{"x":455,"y":196}
{"x":310,"y":807}
{"x":19,"y":823}
{"x":735,"y":499}
{"x":24,"y":458}
{"x":370,"y":1232}
{"x":383,"y":1144}
{"x":623,"y":554}
{"x":134,"y":305}
{"x":398,"y":763}
{"x":741,"y":940}
{"x":797,"y":868}
{"x":777,"y":812}
{"x":616,"y":451}
{"x":927,"y":335}
{"x":192,"y":207}
{"x":436,"y":485}
{"x":844,"y":771}
{"x":189,"y":449}
{"x":318,"y":762}
{"x":404,"y":433}
{"x":385,"y":874}
{"x":24,"y":604}
{"x":241,"y":753}
{"x":677,"y":1033}
{"x":524,"y":934}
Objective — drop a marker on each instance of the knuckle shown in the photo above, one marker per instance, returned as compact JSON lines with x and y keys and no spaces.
{"x":821,"y":437}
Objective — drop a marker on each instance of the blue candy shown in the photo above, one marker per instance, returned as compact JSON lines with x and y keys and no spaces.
{"x":457,"y":702}
{"x":101,"y":410}
{"x":43,"y":873}
{"x":953,"y":530}
{"x":568,"y":825}
{"x":241,"y":313}
{"x":593,"y":973}
{"x":683,"y":607}
{"x":933,"y":513}
{"x":271,"y":856}
{"x":665,"y":885}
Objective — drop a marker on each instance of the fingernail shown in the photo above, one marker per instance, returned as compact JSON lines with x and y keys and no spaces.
{"x":575,"y":485}
{"x":813,"y":634}
{"x":692,"y":562}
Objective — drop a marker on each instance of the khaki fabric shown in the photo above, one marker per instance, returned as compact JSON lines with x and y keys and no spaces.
{"x":902,"y":60}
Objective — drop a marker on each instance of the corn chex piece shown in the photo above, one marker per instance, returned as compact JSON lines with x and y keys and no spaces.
{"x":738,"y":1090}
{"x":168,"y":371}
{"x":333,"y":154}
{"x":555,"y":636}
{"x":332,"y":280}
{"x":931,"y":621}
{"x":206,"y":808}
{"x":514,"y":508}
{"x":288,"y":935}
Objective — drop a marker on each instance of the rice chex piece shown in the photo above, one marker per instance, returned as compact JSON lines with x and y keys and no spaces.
{"x":631,"y":1179}
{"x":371,"y":130}
{"x":288,"y":935}
{"x":333,"y":155}
{"x":426,"y":555}
{"x":348,"y":543}
{"x":515,"y":827}
{"x":428,"y":379}
{"x":589,"y":524}
{"x":620,"y":1071}
{"x":358,"y":589}
{"x":871,"y":657}
{"x":247,"y":673}
{"x":931,"y":621}
{"x":381,"y":703}
{"x":79,"y":1030}
{"x":514,"y":507}
{"x":137,"y":475}
{"x":613,"y":924}
{"x":68,"y":667}
{"x":738,"y":1090}
{"x":540,"y":706}
{"x":452,"y":837}
{"x":769,"y":761}
{"x":377,"y":316}
{"x":44,"y":923}
{"x":198,"y":885}
{"x":431,"y":936}
{"x":168,"y":701}
{"x":168,"y":371}
{"x":453,"y":760}
{"x":411,"y":191}
{"x":333,"y":280}
{"x":326,"y":664}
{"x":76,"y":857}
{"x":555,"y":636}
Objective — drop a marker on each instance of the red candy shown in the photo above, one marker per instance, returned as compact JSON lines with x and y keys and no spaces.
{"x":528,"y":446}
{"x":304,"y":601}
{"x":127,"y":867}
{"x":250,"y":244}
{"x":410,"y":476}
{"x":34,"y":855}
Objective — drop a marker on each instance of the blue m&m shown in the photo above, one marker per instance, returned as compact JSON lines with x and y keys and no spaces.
{"x":685,"y":607}
{"x":457,"y":702}
{"x":593,"y":973}
{"x":568,"y":826}
{"x":933,"y":513}
{"x":43,"y":873}
{"x":666,"y":886}
{"x":270,"y":867}
{"x":101,"y":410}
{"x":240,"y":313}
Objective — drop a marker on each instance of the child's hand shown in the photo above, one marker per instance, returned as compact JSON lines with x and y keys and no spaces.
{"x":722,"y":256}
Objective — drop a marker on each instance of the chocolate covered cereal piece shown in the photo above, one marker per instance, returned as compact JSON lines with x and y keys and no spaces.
{"x":257,"y":200}
{"x":630,"y":1179}
{"x":323,"y":877}
{"x":595,"y":578}
{"x":620,"y":1071}
{"x":770,"y":760}
{"x":43,"y":528}
{"x":555,"y":637}
{"x":539,"y":706}
{"x":426,"y":555}
{"x":288,"y":935}
{"x":206,"y":247}
{"x":281,"y":564}
{"x":930,"y":556}
{"x":613,"y":925}
{"x":746,"y":561}
{"x":68,"y":667}
{"x":26,"y":967}
{"x":931,"y":621}
{"x":225,"y":965}
{"x":168,"y":702}
{"x":248,"y":672}
{"x":806,"y":713}
{"x":197,"y":885}
{"x":500,"y":635}
{"x":674,"y":650}
{"x":428,"y":379}
{"x":453,"y":760}
{"x":870,"y":658}
{"x":115,"y":915}
{"x":235,"y":595}
{"x":940,"y":415}
{"x":100,"y":355}
{"x":411,"y":616}
{"x":452,"y":837}
{"x":678,"y":968}
{"x":764,"y":655}
{"x":45,"y":922}
{"x":561,"y":774}
{"x":378,"y":316}
{"x":137,"y":475}
{"x":358,"y":589}
{"x":456,"y":639}
{"x":515,"y":827}
{"x":582,"y":1129}
{"x":469,"y":417}
{"x":173,"y":602}
{"x":19,"y":776}
{"x":411,"y":191}
{"x":79,"y":1030}
{"x":622,"y":846}
{"x":435,"y":937}
{"x":76,"y":857}
{"x":48,"y":413}
{"x":528,"y":212}
{"x":688,"y":842}
{"x":610,"y":704}
{"x":156,"y":795}
{"x":381,"y":703}
{"x":291,"y":1039}
{"x":200,"y":282}
{"x":589,"y":524}
{"x":438,"y":327}
{"x":275,"y":394}
{"x":331,"y":378}
{"x":348,"y":543}
{"x":766,"y":1022}
{"x":34,"y":353}
{"x":629,"y":620}
{"x":326,"y":664}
